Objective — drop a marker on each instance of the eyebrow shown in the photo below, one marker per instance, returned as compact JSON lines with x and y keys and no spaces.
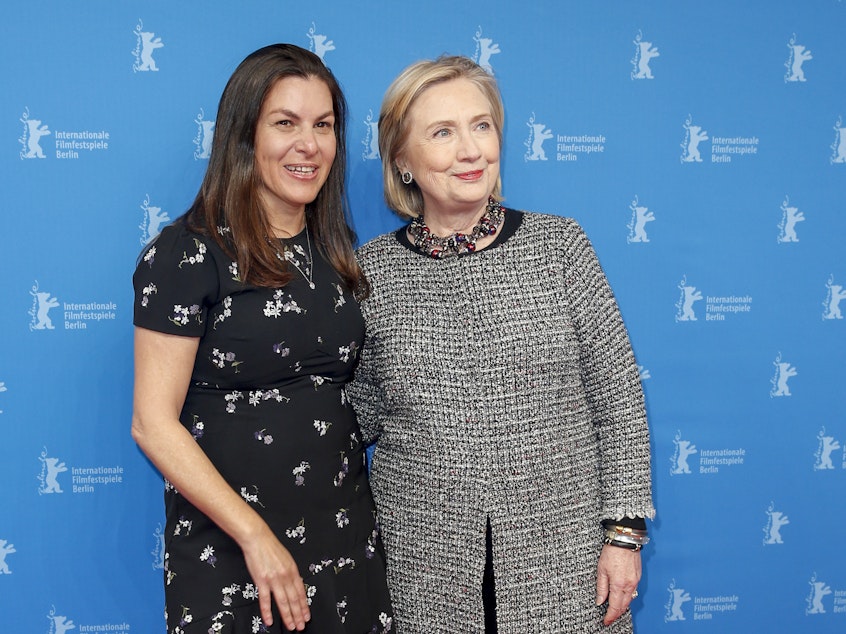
{"x":293,"y":115}
{"x":448,"y":122}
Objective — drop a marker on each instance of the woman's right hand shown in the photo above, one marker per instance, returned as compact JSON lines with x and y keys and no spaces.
{"x":277,"y":578}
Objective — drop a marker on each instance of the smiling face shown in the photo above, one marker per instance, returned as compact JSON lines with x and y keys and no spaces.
{"x":452,"y":147}
{"x":295,"y":147}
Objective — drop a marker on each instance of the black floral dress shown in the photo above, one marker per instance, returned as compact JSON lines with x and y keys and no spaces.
{"x":267,"y":405}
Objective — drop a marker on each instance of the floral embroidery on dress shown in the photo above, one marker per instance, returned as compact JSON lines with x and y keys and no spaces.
{"x":257,"y":396}
{"x":279,"y":305}
{"x":230,"y":400}
{"x":208,"y":555}
{"x":197,"y":428}
{"x":148,"y":290}
{"x":340,"y":300}
{"x":150,"y":256}
{"x":233,"y":270}
{"x":169,"y":576}
{"x":182,"y":525}
{"x":341,"y":518}
{"x":227,"y":311}
{"x":341,"y":607}
{"x":217,"y":626}
{"x":370,"y":548}
{"x":322,"y":426}
{"x":251,"y":497}
{"x":261,"y":436}
{"x":197,"y":258}
{"x":182,"y":314}
{"x":345,"y":469}
{"x":220,"y":359}
{"x":346,"y":352}
{"x":298,"y":532}
{"x":280,"y":349}
{"x":184,"y":620}
{"x":230,"y":592}
{"x":386,"y":622}
{"x":319,"y":380}
{"x":299,"y":473}
{"x":344,"y":562}
{"x":315,"y":568}
{"x":340,"y":564}
{"x":310,"y":592}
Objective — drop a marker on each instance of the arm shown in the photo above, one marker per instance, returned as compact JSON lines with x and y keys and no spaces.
{"x":163,"y":366}
{"x":612,"y":385}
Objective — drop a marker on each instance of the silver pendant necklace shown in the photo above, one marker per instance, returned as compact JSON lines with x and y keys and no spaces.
{"x":290,"y":255}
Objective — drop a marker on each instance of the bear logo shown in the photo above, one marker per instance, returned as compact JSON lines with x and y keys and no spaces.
{"x":320,"y":44}
{"x":684,"y":449}
{"x":485,"y":49}
{"x":34,"y":130}
{"x":694,"y":135}
{"x":637,"y":226}
{"x":689,"y":296}
{"x":42,"y":303}
{"x":678,"y":597}
{"x":834,"y":295}
{"x":798,"y":56}
{"x":644,"y":53}
{"x":538,"y":133}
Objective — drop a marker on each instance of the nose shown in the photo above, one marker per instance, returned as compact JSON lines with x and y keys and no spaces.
{"x":306,"y":141}
{"x":468,"y":148}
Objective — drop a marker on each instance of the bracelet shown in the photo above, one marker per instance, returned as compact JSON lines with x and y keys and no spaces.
{"x":626,"y":545}
{"x":625,"y":537}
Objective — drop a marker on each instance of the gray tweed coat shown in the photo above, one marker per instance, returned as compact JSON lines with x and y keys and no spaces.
{"x":500,"y":385}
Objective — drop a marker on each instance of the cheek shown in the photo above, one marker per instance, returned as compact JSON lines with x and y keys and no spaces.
{"x":436,"y":163}
{"x":329,"y":149}
{"x":492,"y":152}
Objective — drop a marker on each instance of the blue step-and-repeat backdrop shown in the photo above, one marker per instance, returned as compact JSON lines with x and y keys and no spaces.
{"x":702,"y":145}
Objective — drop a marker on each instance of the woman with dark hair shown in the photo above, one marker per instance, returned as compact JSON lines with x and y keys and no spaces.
{"x":247,"y":330}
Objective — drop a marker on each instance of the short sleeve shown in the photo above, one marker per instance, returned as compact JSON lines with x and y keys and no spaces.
{"x":175,"y":282}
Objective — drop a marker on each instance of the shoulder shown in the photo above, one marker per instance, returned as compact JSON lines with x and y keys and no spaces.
{"x":551,"y":229}
{"x":384,"y":246}
{"x":177,"y":239}
{"x":543,"y":221}
{"x":178,"y":248}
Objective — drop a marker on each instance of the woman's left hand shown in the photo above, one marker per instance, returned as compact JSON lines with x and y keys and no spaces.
{"x":617,"y":579}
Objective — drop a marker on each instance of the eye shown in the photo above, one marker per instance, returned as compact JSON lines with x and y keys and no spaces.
{"x":326,"y":124}
{"x":442,"y":133}
{"x":484,"y":125}
{"x":283,"y":122}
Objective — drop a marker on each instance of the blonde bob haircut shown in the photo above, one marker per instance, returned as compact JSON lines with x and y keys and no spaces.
{"x":407,"y":200}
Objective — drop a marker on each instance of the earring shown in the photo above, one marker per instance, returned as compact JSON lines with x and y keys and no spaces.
{"x":407,"y":178}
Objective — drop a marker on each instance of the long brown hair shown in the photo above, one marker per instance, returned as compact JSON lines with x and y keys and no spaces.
{"x":228,"y":207}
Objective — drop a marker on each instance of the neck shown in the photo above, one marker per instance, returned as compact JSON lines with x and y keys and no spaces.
{"x":481,"y":235}
{"x":446,"y":223}
{"x":286,"y":226}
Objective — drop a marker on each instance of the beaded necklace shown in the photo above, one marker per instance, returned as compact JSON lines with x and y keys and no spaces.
{"x":439,"y":248}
